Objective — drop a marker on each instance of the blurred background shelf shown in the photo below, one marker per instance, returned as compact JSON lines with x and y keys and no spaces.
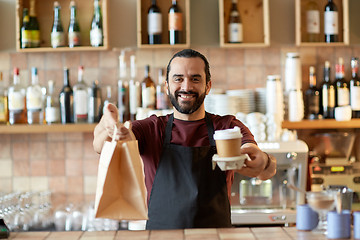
{"x":322,"y":124}
{"x":43,"y":128}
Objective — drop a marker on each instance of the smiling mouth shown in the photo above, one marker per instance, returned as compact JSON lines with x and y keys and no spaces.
{"x":186,"y":95}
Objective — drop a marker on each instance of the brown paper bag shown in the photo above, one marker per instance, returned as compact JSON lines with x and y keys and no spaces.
{"x":121,"y":192}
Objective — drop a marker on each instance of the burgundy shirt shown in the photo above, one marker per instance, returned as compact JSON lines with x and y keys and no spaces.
{"x":150,"y":134}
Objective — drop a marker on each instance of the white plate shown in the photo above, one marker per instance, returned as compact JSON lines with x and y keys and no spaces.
{"x":229,"y":163}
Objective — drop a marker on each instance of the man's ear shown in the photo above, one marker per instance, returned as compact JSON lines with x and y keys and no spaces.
{"x":208,"y":87}
{"x":167,"y":87}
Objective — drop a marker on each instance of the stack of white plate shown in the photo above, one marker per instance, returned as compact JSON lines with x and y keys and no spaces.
{"x":221,"y":104}
{"x":244,"y":98}
{"x":260,"y":97}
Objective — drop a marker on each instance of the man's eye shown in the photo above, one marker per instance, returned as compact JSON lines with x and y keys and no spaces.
{"x":196,"y":80}
{"x":177,"y":79}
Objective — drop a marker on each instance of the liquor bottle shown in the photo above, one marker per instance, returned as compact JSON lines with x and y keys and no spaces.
{"x":52,"y":105}
{"x":342,"y":92}
{"x":74,"y":28}
{"x":327,"y":93}
{"x":123,"y":90}
{"x":109,"y":98}
{"x":134,"y":90}
{"x":80,"y":98}
{"x":16,"y":101}
{"x":312,"y":21}
{"x":34,"y":26}
{"x":34,"y":100}
{"x":66,"y":100}
{"x":4,"y":113}
{"x":235,"y":30}
{"x":175,"y":23}
{"x":331,"y":22}
{"x":161,"y":96}
{"x":25,"y":30}
{"x":57,"y":33}
{"x":154,"y":19}
{"x":355,"y":88}
{"x":96,"y":32}
{"x":312,"y":97}
{"x":95,"y":103}
{"x":148,"y":90}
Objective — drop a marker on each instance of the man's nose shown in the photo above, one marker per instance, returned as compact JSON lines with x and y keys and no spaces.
{"x":186,"y":85}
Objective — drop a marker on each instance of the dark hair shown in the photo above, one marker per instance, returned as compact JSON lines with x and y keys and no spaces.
{"x":190,"y":53}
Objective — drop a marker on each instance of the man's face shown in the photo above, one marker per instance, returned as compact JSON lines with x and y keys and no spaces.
{"x":187,"y":86}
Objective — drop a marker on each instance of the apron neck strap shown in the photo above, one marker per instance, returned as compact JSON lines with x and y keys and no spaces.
{"x":209,"y":125}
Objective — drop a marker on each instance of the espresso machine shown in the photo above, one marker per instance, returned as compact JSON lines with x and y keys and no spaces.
{"x":272,"y":202}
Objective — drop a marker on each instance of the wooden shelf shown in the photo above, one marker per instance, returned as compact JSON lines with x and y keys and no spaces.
{"x":43,"y":128}
{"x":322,"y":124}
{"x":62,"y":49}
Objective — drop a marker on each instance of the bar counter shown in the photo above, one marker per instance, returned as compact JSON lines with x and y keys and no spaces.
{"x":254,"y":233}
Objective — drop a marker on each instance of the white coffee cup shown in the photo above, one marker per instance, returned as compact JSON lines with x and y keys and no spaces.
{"x":343,"y":113}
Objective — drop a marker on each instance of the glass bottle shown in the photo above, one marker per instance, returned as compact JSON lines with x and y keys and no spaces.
{"x":80,"y":98}
{"x":74,"y":28}
{"x":96,"y":32}
{"x":331,"y":22}
{"x":154,"y":19}
{"x":123,"y":90}
{"x":134,"y":90}
{"x":342,"y":93}
{"x":25,"y":30}
{"x":327,"y":93}
{"x":57,"y":33}
{"x":161,"y":96}
{"x":109,"y":98}
{"x":52,"y":105}
{"x":66,"y":100}
{"x":16,"y":101}
{"x":95,"y":103}
{"x":312,"y":97}
{"x":312,"y":21}
{"x":34,"y":99}
{"x":175,"y":23}
{"x":148,"y":90}
{"x":4,"y":113}
{"x":235,"y":30}
{"x":34,"y":26}
{"x":355,"y":88}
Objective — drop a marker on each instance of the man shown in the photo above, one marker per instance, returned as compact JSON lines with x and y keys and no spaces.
{"x":177,"y":150}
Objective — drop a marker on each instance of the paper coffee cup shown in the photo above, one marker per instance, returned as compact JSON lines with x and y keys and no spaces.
{"x":228,"y":142}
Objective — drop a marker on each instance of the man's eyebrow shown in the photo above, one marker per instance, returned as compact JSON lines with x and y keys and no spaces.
{"x":181,"y":75}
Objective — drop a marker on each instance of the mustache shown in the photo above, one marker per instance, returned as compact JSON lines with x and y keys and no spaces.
{"x":186,"y":92}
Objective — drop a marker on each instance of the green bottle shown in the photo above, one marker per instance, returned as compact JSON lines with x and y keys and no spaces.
{"x":34,"y":26}
{"x":74,"y":28}
{"x":25,"y":32}
{"x":57,"y":33}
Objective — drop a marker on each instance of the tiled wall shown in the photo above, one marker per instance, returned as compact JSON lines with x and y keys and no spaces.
{"x":66,"y":163}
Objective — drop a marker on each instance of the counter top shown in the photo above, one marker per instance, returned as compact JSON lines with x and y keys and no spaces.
{"x":255,"y":233}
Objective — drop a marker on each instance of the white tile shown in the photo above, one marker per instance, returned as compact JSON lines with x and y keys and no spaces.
{"x":6,"y":168}
{"x":21,"y":184}
{"x":39,"y":183}
{"x":90,"y":184}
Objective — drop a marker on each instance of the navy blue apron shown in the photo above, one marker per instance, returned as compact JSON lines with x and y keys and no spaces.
{"x":186,"y":192}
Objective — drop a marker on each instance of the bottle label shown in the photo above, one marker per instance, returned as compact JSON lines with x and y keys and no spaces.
{"x":331,"y":25}
{"x":96,"y":37}
{"x":35,"y":38}
{"x":148,"y":97}
{"x":343,"y":97}
{"x":154,"y":23}
{"x":175,"y":21}
{"x":52,"y":114}
{"x":328,"y":97}
{"x":25,"y":38}
{"x":57,"y":39}
{"x":235,"y":32}
{"x":3,"y":103}
{"x":34,"y":99}
{"x":355,"y":98}
{"x":80,"y":102}
{"x":314,"y":104}
{"x":74,"y":39}
{"x":134,"y":96}
{"x":16,"y":101}
{"x":313,"y":21}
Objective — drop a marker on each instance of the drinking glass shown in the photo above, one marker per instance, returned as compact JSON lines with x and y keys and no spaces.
{"x":321,"y":202}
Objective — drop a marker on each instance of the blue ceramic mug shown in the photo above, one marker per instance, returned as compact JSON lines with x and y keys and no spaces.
{"x":306,"y":218}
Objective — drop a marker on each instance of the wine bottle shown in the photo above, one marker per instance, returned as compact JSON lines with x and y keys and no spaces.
{"x":235,"y":30}
{"x":34,"y":100}
{"x":34,"y":26}
{"x":109,"y":98}
{"x":312,"y":21}
{"x":16,"y":101}
{"x":52,"y":105}
{"x":4,"y":113}
{"x":134,"y":90}
{"x":161,"y":96}
{"x":331,"y":22}
{"x":74,"y":28}
{"x":66,"y":100}
{"x":154,"y":19}
{"x":25,"y":30}
{"x":148,"y":90}
{"x":95,"y":103}
{"x":96,"y":32}
{"x":312,"y":97}
{"x":175,"y":23}
{"x":328,"y":93}
{"x":80,"y":98}
{"x":342,"y":93}
{"x":57,"y":33}
{"x":123,"y":90}
{"x":355,"y":88}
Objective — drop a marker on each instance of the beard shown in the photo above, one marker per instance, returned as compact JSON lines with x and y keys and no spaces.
{"x":187,"y":107}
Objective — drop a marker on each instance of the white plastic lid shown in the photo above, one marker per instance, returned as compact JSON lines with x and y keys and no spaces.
{"x":230,"y":133}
